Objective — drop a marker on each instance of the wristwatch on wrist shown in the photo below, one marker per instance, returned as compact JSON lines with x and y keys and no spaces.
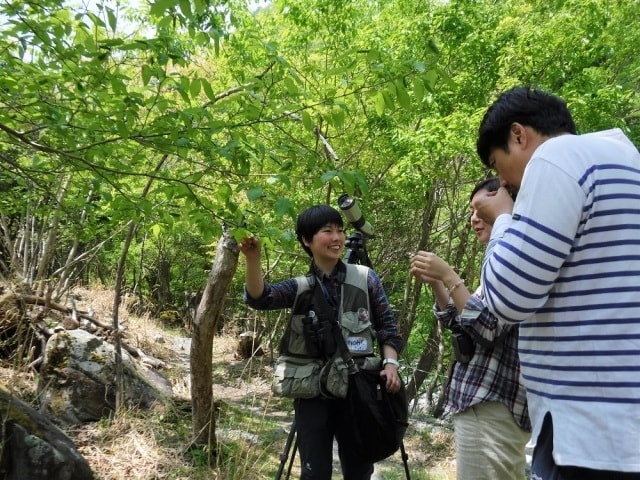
{"x":392,"y":361}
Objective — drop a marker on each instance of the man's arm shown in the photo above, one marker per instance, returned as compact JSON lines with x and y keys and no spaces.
{"x":522,"y":265}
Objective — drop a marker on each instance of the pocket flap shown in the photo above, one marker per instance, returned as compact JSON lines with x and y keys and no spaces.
{"x":351,"y":322}
{"x":292,"y":367}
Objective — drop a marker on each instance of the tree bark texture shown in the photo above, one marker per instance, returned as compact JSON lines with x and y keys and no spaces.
{"x":413,"y":287}
{"x":426,"y":362}
{"x":204,"y":326}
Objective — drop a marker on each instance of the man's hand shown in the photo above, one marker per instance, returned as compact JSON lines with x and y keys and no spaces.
{"x":490,"y":205}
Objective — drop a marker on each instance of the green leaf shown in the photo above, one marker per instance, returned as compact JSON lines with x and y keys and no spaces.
{"x":165,"y":22}
{"x":200,"y":6}
{"x":327,"y":176}
{"x":147,"y":73}
{"x":419,"y":66}
{"x":185,"y":8}
{"x":379,"y":103}
{"x":418,"y":89}
{"x":194,"y":87}
{"x":90,"y":44}
{"x":337,"y":114}
{"x":240,"y":233}
{"x":156,"y":229}
{"x":119,"y":87}
{"x":254,"y":193}
{"x":388,"y":99}
{"x":223,"y":193}
{"x":306,"y":120}
{"x":159,"y":8}
{"x":113,"y":20}
{"x":429,"y":80}
{"x":291,"y":87}
{"x":97,"y":21}
{"x":279,"y":178}
{"x":433,"y":47}
{"x":282,"y":206}
{"x":184,"y":94}
{"x":208,"y":91}
{"x":348,"y":183}
{"x":122,"y":128}
{"x":403,"y":96}
{"x":202,"y":39}
{"x":444,"y":76}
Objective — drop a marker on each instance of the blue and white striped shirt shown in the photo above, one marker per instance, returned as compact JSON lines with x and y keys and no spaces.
{"x":567,"y":269}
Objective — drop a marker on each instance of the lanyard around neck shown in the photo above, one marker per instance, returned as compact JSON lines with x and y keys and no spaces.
{"x":327,"y":295}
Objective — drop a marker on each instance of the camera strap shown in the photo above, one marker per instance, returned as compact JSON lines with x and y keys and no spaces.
{"x":325,"y":300}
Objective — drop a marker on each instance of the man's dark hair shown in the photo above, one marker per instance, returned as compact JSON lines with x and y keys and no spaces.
{"x":545,"y":113}
{"x":311,"y":220}
{"x":491,"y":184}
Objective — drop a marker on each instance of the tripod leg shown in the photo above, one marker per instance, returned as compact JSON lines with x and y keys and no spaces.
{"x":285,"y":453}
{"x":293,"y":456}
{"x":405,"y":457}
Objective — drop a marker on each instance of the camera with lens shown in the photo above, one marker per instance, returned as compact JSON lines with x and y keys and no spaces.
{"x":463,"y":345}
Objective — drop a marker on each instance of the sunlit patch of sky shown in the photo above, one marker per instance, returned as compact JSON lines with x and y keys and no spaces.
{"x":126,"y":12}
{"x":129,"y":22}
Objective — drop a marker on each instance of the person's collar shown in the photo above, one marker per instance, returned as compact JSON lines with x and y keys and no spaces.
{"x":338,"y":274}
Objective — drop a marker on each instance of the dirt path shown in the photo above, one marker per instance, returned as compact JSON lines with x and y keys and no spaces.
{"x":247,"y":384}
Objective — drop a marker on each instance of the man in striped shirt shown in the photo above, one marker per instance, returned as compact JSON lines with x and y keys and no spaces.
{"x":567,"y":270}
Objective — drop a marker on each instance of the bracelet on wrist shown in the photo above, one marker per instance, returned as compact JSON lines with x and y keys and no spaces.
{"x":457,"y":284}
{"x":392,"y":361}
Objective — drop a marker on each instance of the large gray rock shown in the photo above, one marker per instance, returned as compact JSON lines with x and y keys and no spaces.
{"x":78,"y":376}
{"x":34,"y":448}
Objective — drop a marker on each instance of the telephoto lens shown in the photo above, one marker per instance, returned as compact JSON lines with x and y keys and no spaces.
{"x":351,"y":210}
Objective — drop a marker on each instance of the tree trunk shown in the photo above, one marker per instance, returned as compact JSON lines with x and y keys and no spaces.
{"x":51,"y":241}
{"x":117,"y":298}
{"x":204,"y":326}
{"x":438,"y":408}
{"x":427,"y":359}
{"x":413,"y":287}
{"x":164,"y":283}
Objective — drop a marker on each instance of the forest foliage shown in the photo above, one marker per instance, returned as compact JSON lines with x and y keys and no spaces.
{"x":186,"y":118}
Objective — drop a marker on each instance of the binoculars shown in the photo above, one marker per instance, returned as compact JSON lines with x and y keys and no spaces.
{"x":318,"y":336}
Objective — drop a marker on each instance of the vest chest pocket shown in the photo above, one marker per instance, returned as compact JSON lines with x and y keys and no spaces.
{"x":296,"y":341}
{"x":358,"y":333}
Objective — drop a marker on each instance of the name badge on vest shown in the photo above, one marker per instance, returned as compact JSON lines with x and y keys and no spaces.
{"x":357,"y":344}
